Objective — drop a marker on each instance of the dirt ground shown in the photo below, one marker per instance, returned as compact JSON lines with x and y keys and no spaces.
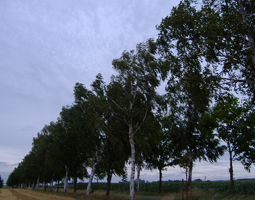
{"x":21,"y":194}
{"x":28,"y":194}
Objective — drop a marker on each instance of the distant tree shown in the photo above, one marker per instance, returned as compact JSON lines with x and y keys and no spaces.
{"x":1,"y":182}
{"x":56,"y":168}
{"x":38,"y":162}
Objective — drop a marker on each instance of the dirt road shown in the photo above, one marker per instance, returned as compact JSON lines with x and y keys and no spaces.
{"x":21,"y":194}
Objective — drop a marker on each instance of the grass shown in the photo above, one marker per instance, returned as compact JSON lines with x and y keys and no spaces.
{"x":170,"y":190}
{"x":197,"y":194}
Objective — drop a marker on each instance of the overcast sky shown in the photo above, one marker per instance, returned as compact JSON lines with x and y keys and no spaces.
{"x":46,"y":46}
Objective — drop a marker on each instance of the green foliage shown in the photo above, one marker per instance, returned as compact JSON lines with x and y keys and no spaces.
{"x":243,"y":187}
{"x":228,"y":41}
{"x":235,"y":126}
{"x":190,"y":86}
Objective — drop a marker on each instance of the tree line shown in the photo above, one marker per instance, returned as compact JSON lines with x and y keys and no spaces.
{"x":204,"y":52}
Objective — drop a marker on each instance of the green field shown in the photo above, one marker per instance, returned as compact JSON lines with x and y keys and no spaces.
{"x":242,"y":187}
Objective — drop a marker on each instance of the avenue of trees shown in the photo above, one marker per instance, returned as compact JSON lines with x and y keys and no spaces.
{"x":205,"y":53}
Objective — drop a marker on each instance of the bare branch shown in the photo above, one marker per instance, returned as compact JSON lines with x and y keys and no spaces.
{"x":123,"y":120}
{"x":236,"y":61}
{"x":239,"y":80}
{"x":145,"y":115}
{"x":116,"y":104}
{"x":120,"y":131}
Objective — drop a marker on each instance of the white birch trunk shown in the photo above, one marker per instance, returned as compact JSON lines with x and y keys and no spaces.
{"x":91,"y":177}
{"x":37,"y":183}
{"x":190,"y":171}
{"x":51,"y":184}
{"x":132,"y":175}
{"x":138,"y":176}
{"x":66,"y":179}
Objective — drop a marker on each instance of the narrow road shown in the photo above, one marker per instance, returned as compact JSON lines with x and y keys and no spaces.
{"x":22,"y":194}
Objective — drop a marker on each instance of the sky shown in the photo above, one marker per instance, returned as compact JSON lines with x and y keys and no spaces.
{"x":46,"y":46}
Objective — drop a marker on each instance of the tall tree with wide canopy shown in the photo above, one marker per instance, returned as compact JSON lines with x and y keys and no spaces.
{"x":133,"y":92}
{"x":190,"y":85}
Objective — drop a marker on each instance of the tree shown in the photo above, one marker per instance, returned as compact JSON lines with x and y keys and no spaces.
{"x":132,"y":92}
{"x":229,"y":116}
{"x":73,"y":141}
{"x":1,"y":182}
{"x":161,"y":153}
{"x":115,"y":146}
{"x":229,"y":41}
{"x":246,"y":143}
{"x":38,"y":151}
{"x":85,"y":100}
{"x":53,"y":153}
{"x":191,"y":84}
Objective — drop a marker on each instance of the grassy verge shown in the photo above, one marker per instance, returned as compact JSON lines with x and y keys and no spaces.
{"x":197,"y":194}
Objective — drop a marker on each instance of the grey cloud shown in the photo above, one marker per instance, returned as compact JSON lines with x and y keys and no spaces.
{"x":6,"y":164}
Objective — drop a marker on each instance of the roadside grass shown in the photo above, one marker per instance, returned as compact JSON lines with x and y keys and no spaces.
{"x":81,"y":194}
{"x":197,"y":194}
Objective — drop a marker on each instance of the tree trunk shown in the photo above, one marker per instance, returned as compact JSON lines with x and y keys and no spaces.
{"x":44,"y":186}
{"x":231,"y":173}
{"x":160,"y":180}
{"x":132,"y":175}
{"x":75,"y":183}
{"x":58,"y":186}
{"x":109,"y":178}
{"x":91,"y":176}
{"x":66,"y":179}
{"x":138,"y":176}
{"x":37,"y":183}
{"x":51,"y":184}
{"x":190,"y":173}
